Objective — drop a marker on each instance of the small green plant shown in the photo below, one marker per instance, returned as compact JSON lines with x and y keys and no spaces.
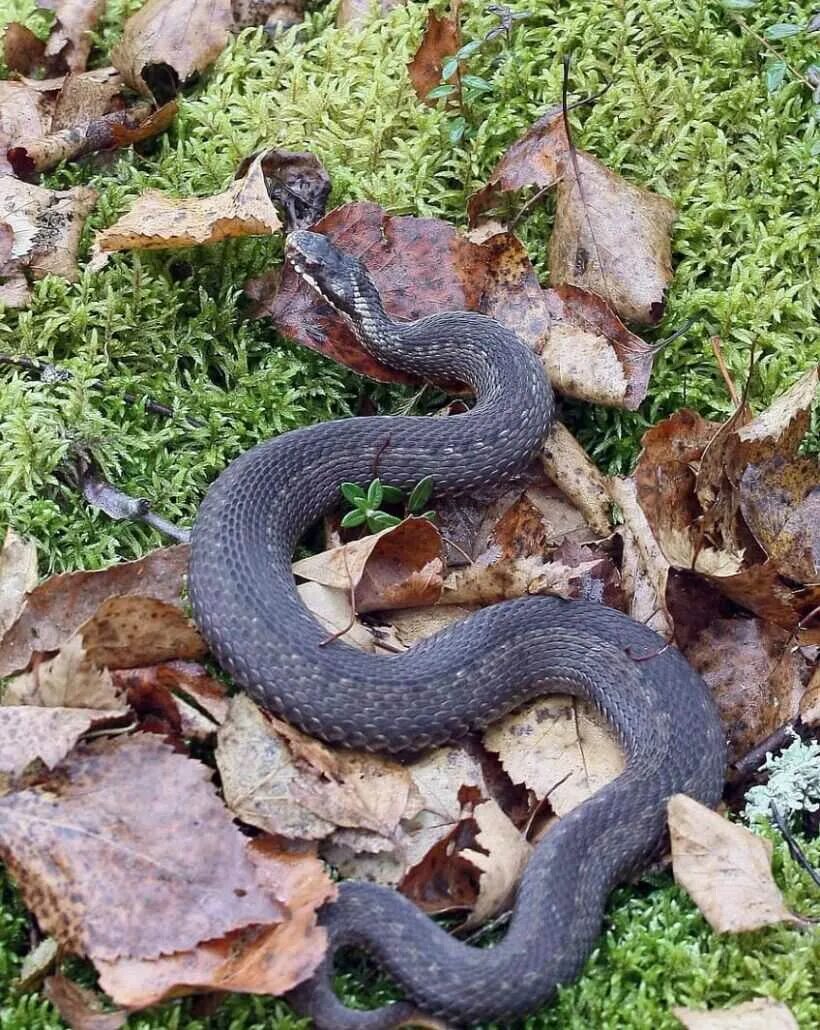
{"x":366,"y":504}
{"x":466,"y":87}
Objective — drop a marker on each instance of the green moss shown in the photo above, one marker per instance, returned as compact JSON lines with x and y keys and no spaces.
{"x":688,"y":115}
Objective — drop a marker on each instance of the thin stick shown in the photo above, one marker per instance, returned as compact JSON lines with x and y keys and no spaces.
{"x":772,"y":50}
{"x":717,"y":350}
{"x":794,"y":848}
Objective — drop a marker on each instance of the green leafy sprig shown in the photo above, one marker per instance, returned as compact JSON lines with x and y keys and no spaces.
{"x":366,"y":504}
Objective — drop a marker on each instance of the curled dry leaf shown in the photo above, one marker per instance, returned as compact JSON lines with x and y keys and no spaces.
{"x":157,"y":221}
{"x":558,"y":748}
{"x":333,"y":610}
{"x":80,"y":1007}
{"x":24,"y":111}
{"x":18,"y":575}
{"x":440,"y":40}
{"x":810,"y":701}
{"x":167,"y":42}
{"x":199,"y":701}
{"x":46,"y":225}
{"x":399,"y":567}
{"x":501,"y":854}
{"x":256,"y":960}
{"x":297,"y":183}
{"x":570,"y":467}
{"x":760,"y":1014}
{"x":109,"y":853}
{"x":590,"y":354}
{"x":57,"y":608}
{"x":120,"y":128}
{"x":754,"y":674}
{"x":69,"y":42}
{"x":128,"y":631}
{"x":724,"y":868}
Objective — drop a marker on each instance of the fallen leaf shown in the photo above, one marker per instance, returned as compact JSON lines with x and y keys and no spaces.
{"x":501,"y":854}
{"x":754,"y":675}
{"x":167,"y":42}
{"x":201,"y":702}
{"x":504,"y":579}
{"x":612,"y":238}
{"x":80,"y":1007}
{"x":558,"y":748}
{"x":353,"y":14}
{"x":24,"y":111}
{"x":760,"y":1014}
{"x":536,"y":159}
{"x":399,"y":567}
{"x":57,"y":608}
{"x":18,"y":575}
{"x":724,"y":868}
{"x":70,"y":679}
{"x":83,"y":97}
{"x":36,"y":965}
{"x":334,"y":611}
{"x":440,"y":39}
{"x":23,"y":52}
{"x":810,"y":701}
{"x":296,"y":182}
{"x":69,"y":42}
{"x":570,"y":467}
{"x":28,"y":733}
{"x":157,"y":221}
{"x":258,"y":773}
{"x":589,"y":353}
{"x":780,"y":502}
{"x":46,"y":224}
{"x":129,"y":631}
{"x":257,"y":960}
{"x":120,"y":128}
{"x":109,"y":853}
{"x":273,"y":15}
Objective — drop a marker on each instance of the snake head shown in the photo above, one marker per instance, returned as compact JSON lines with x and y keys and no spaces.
{"x":337,"y":277}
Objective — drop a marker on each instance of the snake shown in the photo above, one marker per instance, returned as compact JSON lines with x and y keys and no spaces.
{"x":459,"y":680}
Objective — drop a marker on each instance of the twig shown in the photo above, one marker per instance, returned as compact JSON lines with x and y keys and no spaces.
{"x":772,"y":50}
{"x":342,"y":632}
{"x":494,"y":924}
{"x":751,"y":762}
{"x":717,"y":350}
{"x":794,"y":848}
{"x":684,"y":328}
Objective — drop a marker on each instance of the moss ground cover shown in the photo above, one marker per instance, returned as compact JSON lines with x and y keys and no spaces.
{"x":688,"y":115}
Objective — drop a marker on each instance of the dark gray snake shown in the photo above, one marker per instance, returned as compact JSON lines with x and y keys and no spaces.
{"x":245,"y":602}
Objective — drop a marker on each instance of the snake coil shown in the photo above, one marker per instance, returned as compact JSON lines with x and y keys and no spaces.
{"x":245,"y":602}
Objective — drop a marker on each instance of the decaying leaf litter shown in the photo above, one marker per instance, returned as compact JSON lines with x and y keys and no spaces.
{"x":717,"y":546}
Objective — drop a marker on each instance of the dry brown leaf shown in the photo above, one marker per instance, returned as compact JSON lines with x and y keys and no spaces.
{"x":536,"y":159}
{"x":84,"y":97}
{"x":28,"y":733}
{"x":24,"y":111}
{"x":23,"y":52}
{"x":70,"y":679}
{"x":570,"y":467}
{"x":334,"y":611}
{"x":258,"y":773}
{"x":646,"y":569}
{"x":440,"y":40}
{"x":129,"y":631}
{"x":558,"y":748}
{"x":257,"y":960}
{"x":760,"y":1014}
{"x":80,"y":1007}
{"x":157,"y":221}
{"x":810,"y":702}
{"x":31,"y":156}
{"x":167,"y":42}
{"x":37,"y":964}
{"x":296,"y":182}
{"x":272,"y":14}
{"x":110,"y":855}
{"x":502,"y":580}
{"x":780,"y":502}
{"x":724,"y":868}
{"x":502,"y":859}
{"x":399,"y":567}
{"x":57,"y":608}
{"x":754,"y":675}
{"x":69,"y":42}
{"x":18,"y":575}
{"x":414,"y":624}
{"x":46,"y":225}
{"x":612,"y":238}
{"x":589,"y":353}
{"x":185,"y":688}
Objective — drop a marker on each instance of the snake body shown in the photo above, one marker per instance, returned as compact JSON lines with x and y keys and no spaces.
{"x":245,"y":602}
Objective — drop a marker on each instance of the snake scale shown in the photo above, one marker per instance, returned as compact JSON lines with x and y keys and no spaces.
{"x":245,"y":602}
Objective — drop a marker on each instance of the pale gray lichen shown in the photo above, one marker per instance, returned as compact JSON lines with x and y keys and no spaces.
{"x":793,"y":785}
